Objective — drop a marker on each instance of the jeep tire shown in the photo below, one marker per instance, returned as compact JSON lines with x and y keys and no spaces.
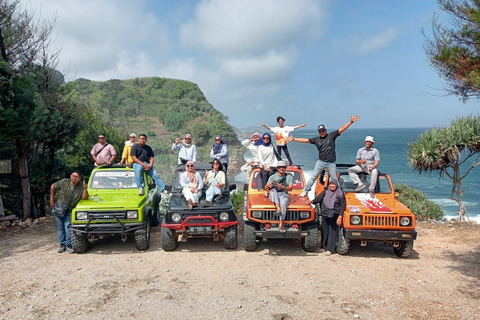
{"x":155,"y":221}
{"x":405,"y":249}
{"x":310,"y":242}
{"x":142,"y":236}
{"x":249,"y":238}
{"x":80,"y":242}
{"x":169,"y":238}
{"x":230,"y":237}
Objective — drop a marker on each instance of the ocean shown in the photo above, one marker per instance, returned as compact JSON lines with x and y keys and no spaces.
{"x":393,"y":147}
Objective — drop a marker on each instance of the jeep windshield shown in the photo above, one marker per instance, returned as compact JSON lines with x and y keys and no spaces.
{"x":113,"y":179}
{"x":347,"y":185}
{"x":296,"y":175}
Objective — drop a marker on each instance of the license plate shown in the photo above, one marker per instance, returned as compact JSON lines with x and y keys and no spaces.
{"x":200,"y":229}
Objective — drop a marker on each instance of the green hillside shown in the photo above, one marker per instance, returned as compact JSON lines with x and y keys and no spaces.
{"x":163,"y":109}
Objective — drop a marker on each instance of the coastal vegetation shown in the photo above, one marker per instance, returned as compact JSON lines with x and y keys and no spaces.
{"x":452,"y":150}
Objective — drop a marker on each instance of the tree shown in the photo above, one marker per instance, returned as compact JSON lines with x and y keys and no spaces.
{"x":455,"y":52}
{"x":26,"y":77}
{"x":445,"y":151}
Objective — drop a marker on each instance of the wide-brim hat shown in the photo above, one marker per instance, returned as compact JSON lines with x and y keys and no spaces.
{"x":369,"y":138}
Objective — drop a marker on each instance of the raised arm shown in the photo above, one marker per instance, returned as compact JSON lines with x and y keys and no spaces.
{"x":263,"y":124}
{"x":348,"y":124}
{"x":301,"y":140}
{"x":300,"y":126}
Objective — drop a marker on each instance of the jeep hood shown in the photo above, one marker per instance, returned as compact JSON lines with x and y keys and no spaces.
{"x":259,"y":202}
{"x":382,"y":204}
{"x":114,"y":200}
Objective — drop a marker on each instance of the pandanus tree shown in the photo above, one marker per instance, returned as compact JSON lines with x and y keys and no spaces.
{"x":452,"y":150}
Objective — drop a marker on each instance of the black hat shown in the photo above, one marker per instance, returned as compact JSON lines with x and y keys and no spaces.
{"x":322,"y":127}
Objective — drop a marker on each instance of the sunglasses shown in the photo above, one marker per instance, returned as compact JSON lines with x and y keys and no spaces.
{"x":266,"y":138}
{"x":101,"y":138}
{"x":281,"y":167}
{"x":217,"y":139}
{"x":216,"y":163}
{"x":190,"y":165}
{"x":187,"y":138}
{"x":132,"y":137}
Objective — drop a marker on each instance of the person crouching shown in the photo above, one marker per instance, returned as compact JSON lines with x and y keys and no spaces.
{"x":278,"y":186}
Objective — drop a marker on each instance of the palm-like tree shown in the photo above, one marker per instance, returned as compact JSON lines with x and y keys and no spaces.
{"x":445,"y":151}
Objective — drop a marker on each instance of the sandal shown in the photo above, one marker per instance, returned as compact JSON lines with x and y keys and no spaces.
{"x":265,"y":194}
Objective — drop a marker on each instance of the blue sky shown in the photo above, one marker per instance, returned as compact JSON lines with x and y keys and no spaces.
{"x":310,"y":61}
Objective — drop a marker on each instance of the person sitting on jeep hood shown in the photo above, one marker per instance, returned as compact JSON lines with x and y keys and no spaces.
{"x":215,"y":182}
{"x":278,"y":186}
{"x":192,"y":185}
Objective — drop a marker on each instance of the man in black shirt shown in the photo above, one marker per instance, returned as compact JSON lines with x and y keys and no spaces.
{"x":325,"y":144}
{"x":143,"y":159}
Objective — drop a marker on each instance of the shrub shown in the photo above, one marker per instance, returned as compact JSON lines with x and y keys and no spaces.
{"x":238,"y":198}
{"x":417,"y":202}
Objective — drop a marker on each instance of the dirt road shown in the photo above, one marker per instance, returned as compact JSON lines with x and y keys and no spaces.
{"x":202,"y":280}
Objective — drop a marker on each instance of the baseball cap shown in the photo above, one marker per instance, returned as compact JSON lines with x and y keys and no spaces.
{"x":322,"y":127}
{"x":281,"y":164}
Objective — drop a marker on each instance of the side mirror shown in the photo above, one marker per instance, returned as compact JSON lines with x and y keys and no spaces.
{"x":233,"y":187}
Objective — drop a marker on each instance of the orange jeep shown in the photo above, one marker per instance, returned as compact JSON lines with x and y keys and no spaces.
{"x":383,"y":218}
{"x":301,"y":221}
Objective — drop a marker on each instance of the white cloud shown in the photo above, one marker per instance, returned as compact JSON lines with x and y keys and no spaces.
{"x":107,"y":39}
{"x":379,"y":41}
{"x":251,"y":26}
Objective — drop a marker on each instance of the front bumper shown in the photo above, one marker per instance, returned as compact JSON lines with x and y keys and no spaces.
{"x":199,"y":221}
{"x":116,"y":227}
{"x":380,"y":234}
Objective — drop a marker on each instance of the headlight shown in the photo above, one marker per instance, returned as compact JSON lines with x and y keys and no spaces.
{"x":404,"y":221}
{"x":304,"y":214}
{"x":257,"y":214}
{"x":224,"y":216}
{"x":176,"y":217}
{"x":355,"y":220}
{"x":354,"y":209}
{"x":133,"y":214}
{"x":82,"y":215}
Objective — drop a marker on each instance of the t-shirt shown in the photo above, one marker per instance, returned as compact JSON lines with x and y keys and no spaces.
{"x":326,"y":146}
{"x":281,"y":134}
{"x":68,"y":194}
{"x":104,"y":155}
{"x":143,"y":153}
{"x":370,"y":155}
{"x":284,"y":182}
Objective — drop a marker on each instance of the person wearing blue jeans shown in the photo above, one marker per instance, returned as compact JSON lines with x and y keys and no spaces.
{"x":143,"y":159}
{"x":214,"y":181}
{"x":70,"y":192}
{"x":325,"y":143}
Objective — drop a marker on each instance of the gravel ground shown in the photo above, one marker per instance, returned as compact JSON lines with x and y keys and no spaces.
{"x":202,"y":280}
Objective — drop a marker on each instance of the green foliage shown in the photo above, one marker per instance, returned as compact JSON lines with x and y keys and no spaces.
{"x":200,"y":133}
{"x":453,"y":51}
{"x":238,"y":199}
{"x":416,"y":201}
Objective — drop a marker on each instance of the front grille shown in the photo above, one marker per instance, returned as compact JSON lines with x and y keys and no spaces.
{"x":107,"y":215}
{"x":198,"y":221}
{"x":381,"y":221}
{"x":291,"y":215}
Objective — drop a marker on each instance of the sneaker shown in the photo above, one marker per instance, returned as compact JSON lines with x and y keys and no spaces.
{"x":360,"y":187}
{"x":62,"y":249}
{"x":219,"y":197}
{"x":141,"y":192}
{"x":372,"y":194}
{"x":206,"y":203}
{"x":70,"y":249}
{"x":278,"y":213}
{"x":303,"y":194}
{"x":327,"y":253}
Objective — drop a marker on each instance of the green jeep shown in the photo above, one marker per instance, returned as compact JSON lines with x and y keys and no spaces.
{"x":115,"y":208}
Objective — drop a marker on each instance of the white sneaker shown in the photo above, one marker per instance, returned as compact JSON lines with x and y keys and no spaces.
{"x":303,"y":194}
{"x":360,"y":187}
{"x":141,"y":192}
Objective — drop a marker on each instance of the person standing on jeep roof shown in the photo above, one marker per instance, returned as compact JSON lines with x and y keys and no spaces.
{"x":367,"y":161}
{"x":126,"y":157}
{"x":278,"y":186}
{"x":70,"y":192}
{"x":325,"y":144}
{"x":332,"y":204}
{"x":102,"y":152}
{"x":143,"y":159}
{"x":281,"y":136}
